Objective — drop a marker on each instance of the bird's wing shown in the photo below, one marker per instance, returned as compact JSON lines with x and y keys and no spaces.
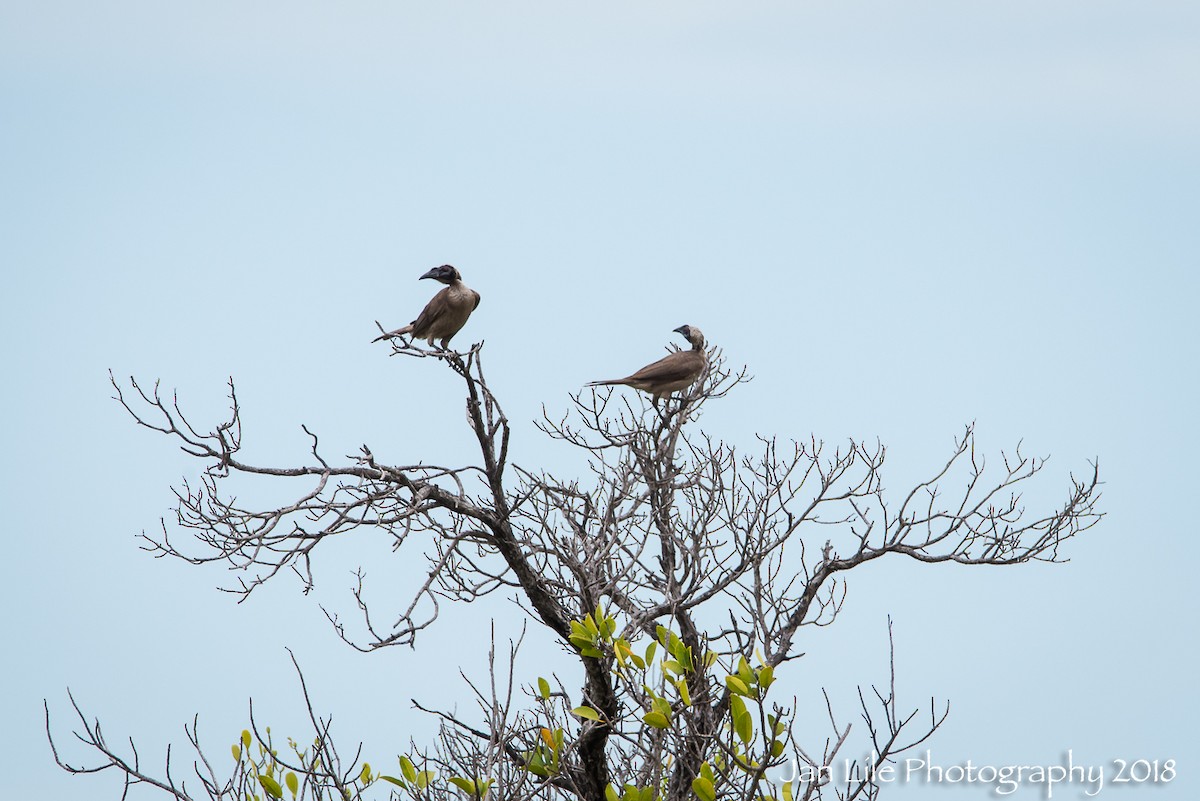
{"x":673,"y":367}
{"x":433,"y":310}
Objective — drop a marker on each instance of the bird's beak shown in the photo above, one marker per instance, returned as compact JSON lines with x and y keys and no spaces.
{"x":683,"y":329}
{"x":431,"y":274}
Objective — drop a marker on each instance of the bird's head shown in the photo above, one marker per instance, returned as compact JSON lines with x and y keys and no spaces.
{"x":446,"y":274}
{"x":692,"y":334}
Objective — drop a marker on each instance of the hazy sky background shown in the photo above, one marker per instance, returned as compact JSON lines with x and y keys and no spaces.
{"x":901,"y":217}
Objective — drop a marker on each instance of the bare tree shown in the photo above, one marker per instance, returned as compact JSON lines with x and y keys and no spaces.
{"x":677,"y":574}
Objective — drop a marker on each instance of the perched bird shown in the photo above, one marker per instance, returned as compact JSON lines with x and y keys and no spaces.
{"x":677,"y":371}
{"x":446,"y":314}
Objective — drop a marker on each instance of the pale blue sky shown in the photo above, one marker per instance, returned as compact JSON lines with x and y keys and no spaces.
{"x":901,"y":217}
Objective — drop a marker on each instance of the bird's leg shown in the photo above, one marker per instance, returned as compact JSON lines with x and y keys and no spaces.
{"x":662,"y":416}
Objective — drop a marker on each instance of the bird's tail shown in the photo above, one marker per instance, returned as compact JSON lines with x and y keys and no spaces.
{"x":405,"y":330}
{"x":614,"y":382}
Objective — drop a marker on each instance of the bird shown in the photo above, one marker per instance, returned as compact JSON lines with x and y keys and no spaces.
{"x":444,"y":315}
{"x":677,"y":371}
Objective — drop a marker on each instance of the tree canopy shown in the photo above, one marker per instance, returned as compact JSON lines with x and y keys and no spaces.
{"x":677,"y":574}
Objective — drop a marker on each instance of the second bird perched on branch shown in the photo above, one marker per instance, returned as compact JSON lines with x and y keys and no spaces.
{"x":444,"y":315}
{"x":677,"y":371}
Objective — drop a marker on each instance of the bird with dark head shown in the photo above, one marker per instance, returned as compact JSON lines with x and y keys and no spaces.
{"x":674,"y":372}
{"x":444,"y":315}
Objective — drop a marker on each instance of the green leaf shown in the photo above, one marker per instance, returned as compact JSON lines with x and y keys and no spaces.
{"x":744,"y":671}
{"x":776,"y":748}
{"x":650,"y":651}
{"x":743,"y":723}
{"x":657,"y":720}
{"x":635,"y":793}
{"x":237,"y":753}
{"x":703,"y":788}
{"x":406,"y":767}
{"x":736,"y":685}
{"x":787,"y":791}
{"x":766,"y":676}
{"x":245,"y":738}
{"x":676,"y":646}
{"x":365,"y":775}
{"x":684,"y":695}
{"x":685,"y":658}
{"x":744,"y":726}
{"x":707,"y":772}
{"x":592,"y":652}
{"x":586,"y":712}
{"x":543,"y":688}
{"x":292,"y":783}
{"x":394,"y":780}
{"x":271,"y":786}
{"x":598,"y":616}
{"x":610,"y":793}
{"x":466,"y":785}
{"x":537,"y":766}
{"x":424,"y":778}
